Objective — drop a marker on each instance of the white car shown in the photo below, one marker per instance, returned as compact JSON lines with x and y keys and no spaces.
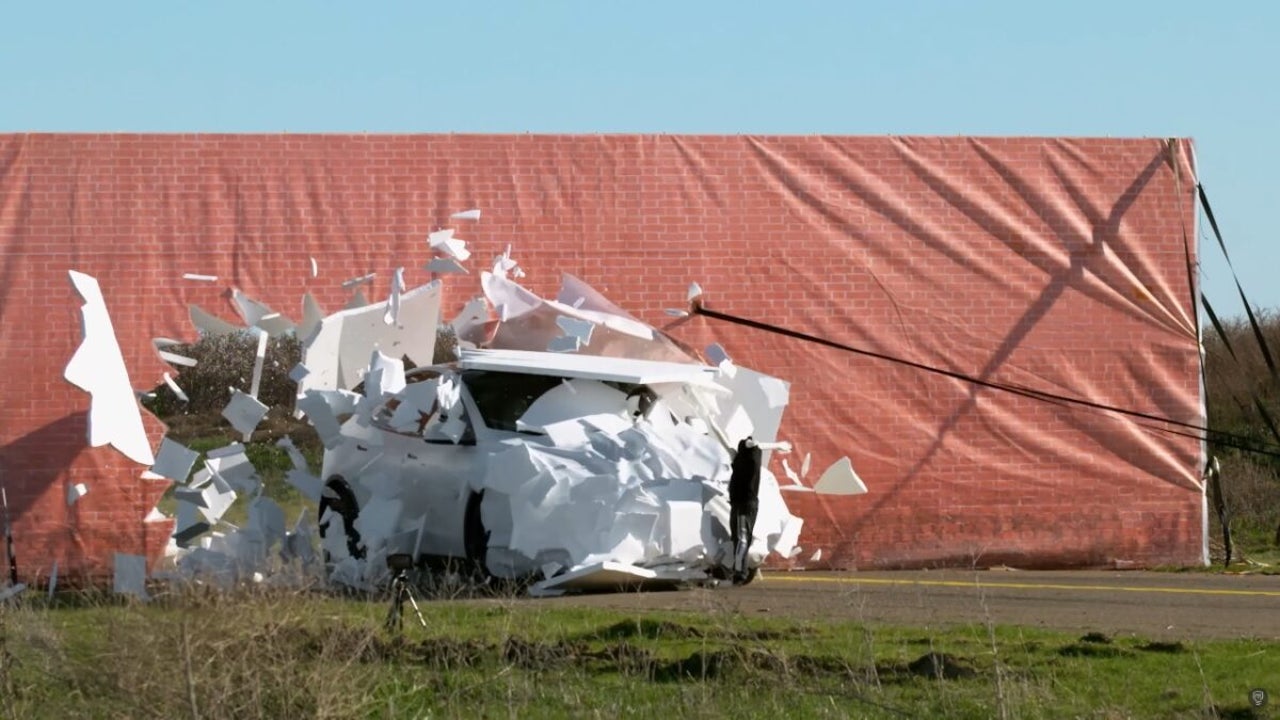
{"x":531,"y":464}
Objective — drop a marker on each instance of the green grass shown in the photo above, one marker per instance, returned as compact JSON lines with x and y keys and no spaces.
{"x":205,"y":433}
{"x":307,"y":655}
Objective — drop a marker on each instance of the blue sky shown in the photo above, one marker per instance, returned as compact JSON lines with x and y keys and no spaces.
{"x":1151,"y":69}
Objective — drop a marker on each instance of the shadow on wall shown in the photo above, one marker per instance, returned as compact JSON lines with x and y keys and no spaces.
{"x":31,"y":467}
{"x":33,"y":464}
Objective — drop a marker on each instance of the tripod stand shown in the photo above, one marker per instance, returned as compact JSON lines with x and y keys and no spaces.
{"x":401,"y":590}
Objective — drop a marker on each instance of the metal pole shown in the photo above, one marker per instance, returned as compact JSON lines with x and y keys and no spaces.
{"x":8,"y":538}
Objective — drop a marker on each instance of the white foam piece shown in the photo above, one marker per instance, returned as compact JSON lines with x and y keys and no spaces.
{"x":438,"y":237}
{"x":259,"y":357}
{"x":695,"y":292}
{"x":597,"y":577}
{"x":564,"y":344}
{"x":640,"y":372}
{"x":130,"y":576}
{"x":306,"y":483}
{"x":53,"y":580}
{"x":176,"y":359}
{"x":776,"y":392}
{"x":840,"y":479}
{"x":682,"y":528}
{"x":12,"y":591}
{"x":256,"y":314}
{"x":338,"y":352}
{"x":377,"y":520}
{"x":791,"y":474}
{"x":357,"y":301}
{"x":267,"y":518}
{"x":215,"y":500}
{"x":472,"y":214}
{"x":361,"y":280}
{"x":381,"y":484}
{"x":416,"y":399}
{"x":244,"y":412}
{"x":200,"y":278}
{"x":190,"y":495}
{"x":785,"y":543}
{"x":98,"y":368}
{"x":295,"y":455}
{"x":571,"y":400}
{"x":392,"y":314}
{"x":385,"y":377}
{"x":322,"y":418}
{"x":209,"y":324}
{"x":735,"y":423}
{"x":75,"y":492}
{"x":567,"y":434}
{"x":716,"y":354}
{"x":816,"y":556}
{"x":312,"y":314}
{"x":446,"y":266}
{"x":174,"y":460}
{"x":298,"y":372}
{"x":315,"y":268}
{"x":534,"y":531}
{"x":201,"y":478}
{"x":298,"y":543}
{"x":509,"y":468}
{"x":455,"y":248}
{"x":230,"y":465}
{"x":454,"y":428}
{"x":576,"y":327}
{"x":626,"y":540}
{"x":173,"y":386}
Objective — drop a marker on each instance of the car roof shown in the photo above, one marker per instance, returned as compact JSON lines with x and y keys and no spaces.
{"x":587,"y":367}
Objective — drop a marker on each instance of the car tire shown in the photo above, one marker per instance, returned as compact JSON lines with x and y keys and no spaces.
{"x":339,"y":498}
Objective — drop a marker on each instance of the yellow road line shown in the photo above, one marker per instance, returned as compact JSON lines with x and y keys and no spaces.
{"x":799,"y":578}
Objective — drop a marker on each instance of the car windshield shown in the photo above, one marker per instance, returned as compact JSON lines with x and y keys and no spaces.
{"x":503,"y":398}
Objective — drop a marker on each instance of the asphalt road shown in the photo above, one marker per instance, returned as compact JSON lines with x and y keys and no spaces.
{"x":1155,"y":605}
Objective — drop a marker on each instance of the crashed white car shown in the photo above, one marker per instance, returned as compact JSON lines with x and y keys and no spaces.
{"x":570,"y":443}
{"x":577,"y":469}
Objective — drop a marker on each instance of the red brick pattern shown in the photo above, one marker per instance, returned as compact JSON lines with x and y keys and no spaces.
{"x":1053,"y":263}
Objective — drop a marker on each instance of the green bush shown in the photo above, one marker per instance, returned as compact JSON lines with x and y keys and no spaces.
{"x":1234,"y":378}
{"x":226,"y":361}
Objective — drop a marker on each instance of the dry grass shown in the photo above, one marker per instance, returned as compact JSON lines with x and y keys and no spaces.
{"x":261,"y":653}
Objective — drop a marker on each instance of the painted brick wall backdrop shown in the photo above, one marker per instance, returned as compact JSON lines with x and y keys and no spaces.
{"x":1056,"y":264}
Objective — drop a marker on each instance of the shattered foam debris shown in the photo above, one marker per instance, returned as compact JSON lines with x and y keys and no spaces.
{"x":98,"y":368}
{"x":569,"y":442}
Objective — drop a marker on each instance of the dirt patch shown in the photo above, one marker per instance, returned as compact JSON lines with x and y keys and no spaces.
{"x":646,"y":628}
{"x":717,"y":664}
{"x":1163,"y":647}
{"x":941,"y":666}
{"x":540,"y":656}
{"x":1092,"y":650}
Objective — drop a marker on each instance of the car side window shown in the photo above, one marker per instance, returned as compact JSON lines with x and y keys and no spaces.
{"x":445,"y":429}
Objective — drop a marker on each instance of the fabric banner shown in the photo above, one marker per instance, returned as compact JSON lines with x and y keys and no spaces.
{"x":1054,"y":264}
